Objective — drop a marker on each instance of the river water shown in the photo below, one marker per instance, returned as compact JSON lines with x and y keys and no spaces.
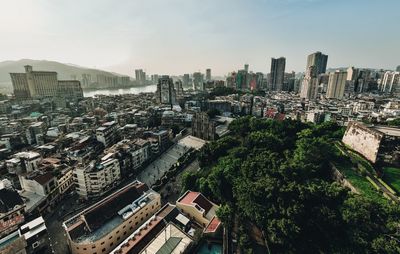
{"x":116,"y":91}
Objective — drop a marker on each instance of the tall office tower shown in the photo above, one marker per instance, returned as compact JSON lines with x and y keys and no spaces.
{"x":166,"y":93}
{"x":186,"y":80}
{"x":309,"y":86}
{"x":398,"y":68}
{"x":43,"y":84}
{"x":336,"y":84}
{"x":208,"y":74}
{"x":140,"y":76}
{"x":198,"y":83}
{"x":391,"y":80}
{"x":318,"y":60}
{"x":277,"y":73}
{"x":246,"y":67}
{"x":352,"y":74}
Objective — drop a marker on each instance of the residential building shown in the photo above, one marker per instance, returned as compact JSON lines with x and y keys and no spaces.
{"x":198,"y":81}
{"x":36,"y":236}
{"x":43,"y":84}
{"x":140,"y":76}
{"x":104,"y":225}
{"x":197,"y":207}
{"x":336,"y":85}
{"x":23,"y":162}
{"x":309,"y":86}
{"x":12,"y":210}
{"x":107,"y":133}
{"x":186,"y":80}
{"x":13,"y":243}
{"x":277,"y":74}
{"x":318,"y":60}
{"x":208,"y":74}
{"x":390,"y":81}
{"x":96,"y":178}
{"x":166,"y":93}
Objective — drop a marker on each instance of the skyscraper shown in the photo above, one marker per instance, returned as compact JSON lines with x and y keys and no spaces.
{"x":336,"y":84}
{"x":208,"y":74}
{"x":318,"y":60}
{"x":277,"y":73}
{"x":185,"y":80}
{"x":198,"y":81}
{"x":166,"y":93}
{"x":309,"y":86}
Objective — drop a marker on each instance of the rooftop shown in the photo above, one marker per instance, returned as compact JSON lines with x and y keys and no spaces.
{"x":99,"y":219}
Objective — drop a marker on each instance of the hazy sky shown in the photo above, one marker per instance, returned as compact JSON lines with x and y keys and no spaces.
{"x":183,"y":36}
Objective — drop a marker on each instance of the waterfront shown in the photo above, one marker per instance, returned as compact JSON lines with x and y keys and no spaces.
{"x":119,"y":91}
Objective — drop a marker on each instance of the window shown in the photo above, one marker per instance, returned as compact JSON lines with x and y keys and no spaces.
{"x":109,"y":237}
{"x":103,"y":250}
{"x":136,"y":223}
{"x":94,"y":246}
{"x":125,"y":233}
{"x":118,"y":238}
{"x":102,"y":243}
{"x":111,"y":244}
{"x":117,"y":232}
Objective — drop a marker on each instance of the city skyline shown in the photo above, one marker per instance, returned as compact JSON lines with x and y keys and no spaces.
{"x":187,"y":36}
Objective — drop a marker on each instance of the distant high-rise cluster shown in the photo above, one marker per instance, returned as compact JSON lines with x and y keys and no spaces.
{"x":43,"y":84}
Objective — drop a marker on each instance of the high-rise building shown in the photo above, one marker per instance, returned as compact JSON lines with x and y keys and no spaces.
{"x":43,"y":84}
{"x":246,"y":67}
{"x":277,"y":73}
{"x":198,"y":83}
{"x":107,"y":133}
{"x":391,"y":80}
{"x":208,"y":74}
{"x":352,"y":74}
{"x":398,"y":68}
{"x":309,"y":86}
{"x":336,"y":84}
{"x":154,"y":78}
{"x":140,"y":76}
{"x":318,"y":60}
{"x":241,"y":79}
{"x":186,"y":80}
{"x":166,"y":93}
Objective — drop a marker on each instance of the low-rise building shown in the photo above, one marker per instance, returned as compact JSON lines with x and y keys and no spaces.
{"x":197,"y":208}
{"x":107,"y":133}
{"x":104,"y":225}
{"x":11,"y":210}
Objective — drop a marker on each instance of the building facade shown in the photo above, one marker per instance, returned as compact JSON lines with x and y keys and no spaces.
{"x":277,"y":74}
{"x":336,"y":85}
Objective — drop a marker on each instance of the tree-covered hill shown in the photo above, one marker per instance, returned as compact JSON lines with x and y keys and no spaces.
{"x":277,"y":177}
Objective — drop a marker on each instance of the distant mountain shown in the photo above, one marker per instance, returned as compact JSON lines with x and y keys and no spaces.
{"x":65,"y":71}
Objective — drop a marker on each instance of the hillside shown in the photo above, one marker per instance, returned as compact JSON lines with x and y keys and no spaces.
{"x":65,"y":71}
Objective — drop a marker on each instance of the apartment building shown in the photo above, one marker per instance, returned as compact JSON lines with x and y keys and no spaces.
{"x":96,"y":178}
{"x":107,"y":133}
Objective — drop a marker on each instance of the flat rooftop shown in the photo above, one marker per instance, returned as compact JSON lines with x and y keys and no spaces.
{"x":101,"y":218}
{"x":192,"y":142}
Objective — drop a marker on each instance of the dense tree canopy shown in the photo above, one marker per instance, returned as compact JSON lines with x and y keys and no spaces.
{"x":277,"y":176}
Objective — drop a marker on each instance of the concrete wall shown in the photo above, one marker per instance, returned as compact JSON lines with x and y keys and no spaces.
{"x":363,"y":140}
